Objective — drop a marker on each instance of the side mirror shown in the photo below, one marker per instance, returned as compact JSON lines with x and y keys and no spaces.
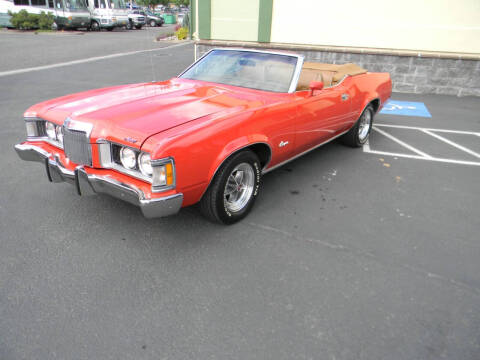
{"x":315,"y":85}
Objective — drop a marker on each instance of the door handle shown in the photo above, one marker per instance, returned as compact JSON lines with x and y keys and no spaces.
{"x":345,"y":97}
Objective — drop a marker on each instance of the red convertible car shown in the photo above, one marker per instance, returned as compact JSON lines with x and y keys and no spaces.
{"x":205,"y":136}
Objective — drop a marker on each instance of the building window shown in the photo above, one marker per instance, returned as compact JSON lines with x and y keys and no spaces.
{"x":39,"y":2}
{"x":21,"y":2}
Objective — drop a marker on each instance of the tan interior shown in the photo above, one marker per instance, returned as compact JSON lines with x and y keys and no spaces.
{"x":329,"y":74}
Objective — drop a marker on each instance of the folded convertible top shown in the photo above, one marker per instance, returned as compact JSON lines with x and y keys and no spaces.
{"x":330,"y":74}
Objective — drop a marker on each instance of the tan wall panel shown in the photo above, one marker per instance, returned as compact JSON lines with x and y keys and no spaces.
{"x":431,"y":25}
{"x":235,"y":20}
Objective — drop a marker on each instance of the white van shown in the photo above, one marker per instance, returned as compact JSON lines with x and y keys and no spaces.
{"x":70,"y":14}
{"x":107,"y":14}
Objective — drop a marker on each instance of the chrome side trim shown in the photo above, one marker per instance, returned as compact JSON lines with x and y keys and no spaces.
{"x":265,"y":171}
{"x":90,"y":184}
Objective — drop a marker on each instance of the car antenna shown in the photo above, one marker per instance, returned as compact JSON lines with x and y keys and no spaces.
{"x":151,"y":52}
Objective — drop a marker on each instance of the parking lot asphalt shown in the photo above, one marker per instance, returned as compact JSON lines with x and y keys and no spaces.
{"x":348,"y":253}
{"x":25,"y":49}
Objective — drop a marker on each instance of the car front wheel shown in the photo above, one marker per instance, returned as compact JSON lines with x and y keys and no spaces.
{"x":358,"y":134}
{"x":153,"y":23}
{"x":233,"y":191}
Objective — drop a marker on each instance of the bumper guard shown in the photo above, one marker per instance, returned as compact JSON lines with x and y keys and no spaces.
{"x":89,"y":184}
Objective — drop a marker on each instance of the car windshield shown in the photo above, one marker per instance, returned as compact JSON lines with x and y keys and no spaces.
{"x":75,"y":5}
{"x":250,"y":69}
{"x":118,"y":4}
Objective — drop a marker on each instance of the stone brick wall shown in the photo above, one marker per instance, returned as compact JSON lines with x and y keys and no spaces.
{"x":410,"y":74}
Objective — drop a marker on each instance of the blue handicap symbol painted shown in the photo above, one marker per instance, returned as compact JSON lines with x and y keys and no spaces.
{"x":405,"y":108}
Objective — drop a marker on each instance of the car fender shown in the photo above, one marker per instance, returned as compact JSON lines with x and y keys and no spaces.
{"x":368,"y":100}
{"x":234,"y":146}
{"x":173,"y":143}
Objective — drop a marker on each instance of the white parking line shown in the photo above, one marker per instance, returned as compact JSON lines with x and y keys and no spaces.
{"x":422,"y":155}
{"x":81,"y":61}
{"x":409,"y":147}
{"x":458,"y":146}
{"x":430,"y":129}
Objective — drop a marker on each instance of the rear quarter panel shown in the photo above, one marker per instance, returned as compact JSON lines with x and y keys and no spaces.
{"x":367,"y":87}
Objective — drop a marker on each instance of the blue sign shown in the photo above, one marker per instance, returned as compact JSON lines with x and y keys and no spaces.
{"x":405,"y":108}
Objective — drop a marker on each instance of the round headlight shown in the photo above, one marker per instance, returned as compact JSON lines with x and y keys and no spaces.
{"x":145,"y":164}
{"x":50,"y":129}
{"x":59,"y":134}
{"x":128,"y":158}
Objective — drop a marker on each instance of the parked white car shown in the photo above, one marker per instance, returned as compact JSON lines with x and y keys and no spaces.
{"x":136,"y":19}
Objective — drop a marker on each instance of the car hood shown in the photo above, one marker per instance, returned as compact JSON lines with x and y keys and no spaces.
{"x":132,"y":113}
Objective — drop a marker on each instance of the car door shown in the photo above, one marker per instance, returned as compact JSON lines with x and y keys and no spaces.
{"x":321,"y":116}
{"x":278,"y":124}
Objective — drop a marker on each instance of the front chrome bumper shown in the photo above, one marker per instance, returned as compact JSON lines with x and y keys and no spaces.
{"x":90,"y":184}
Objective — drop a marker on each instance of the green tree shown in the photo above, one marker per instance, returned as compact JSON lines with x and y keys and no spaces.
{"x":25,"y":21}
{"x":182,"y":2}
{"x":152,"y":3}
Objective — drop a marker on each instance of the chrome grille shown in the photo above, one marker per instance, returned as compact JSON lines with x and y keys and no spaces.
{"x":77,"y":147}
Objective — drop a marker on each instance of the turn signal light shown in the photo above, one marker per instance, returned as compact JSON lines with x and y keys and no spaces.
{"x":169,"y":171}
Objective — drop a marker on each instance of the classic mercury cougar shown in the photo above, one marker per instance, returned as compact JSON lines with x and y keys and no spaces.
{"x":205,"y":136}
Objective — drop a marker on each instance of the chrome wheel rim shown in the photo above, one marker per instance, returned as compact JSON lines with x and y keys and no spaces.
{"x":364,"y":126}
{"x":239,"y":187}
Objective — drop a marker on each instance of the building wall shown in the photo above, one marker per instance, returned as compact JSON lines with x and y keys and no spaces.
{"x":426,"y":25}
{"x":427,"y":46}
{"x":234,"y":20}
{"x":246,"y":20}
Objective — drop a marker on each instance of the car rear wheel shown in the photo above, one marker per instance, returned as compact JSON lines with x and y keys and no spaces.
{"x":153,"y":23}
{"x":359,"y":133}
{"x":95,"y":26}
{"x":233,"y":190}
